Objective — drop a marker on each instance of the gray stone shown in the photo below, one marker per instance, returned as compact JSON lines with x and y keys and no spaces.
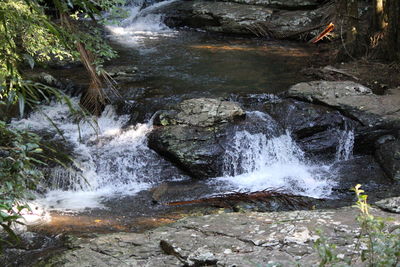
{"x":352,"y":99}
{"x":206,"y":112}
{"x":226,"y":239}
{"x":196,"y":134}
{"x":388,"y":155}
{"x":240,"y":18}
{"x":376,"y":115}
{"x":282,"y":4}
{"x":315,"y":127}
{"x":391,"y":204}
{"x":191,"y":135}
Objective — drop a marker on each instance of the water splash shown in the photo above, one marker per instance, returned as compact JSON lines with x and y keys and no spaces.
{"x":256,"y":162}
{"x":141,"y":24}
{"x":344,"y":150}
{"x":110,"y":159}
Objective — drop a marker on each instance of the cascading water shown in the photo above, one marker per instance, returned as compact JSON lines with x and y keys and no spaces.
{"x":140,"y":23}
{"x":344,"y":150}
{"x":108,"y":159}
{"x":256,"y":162}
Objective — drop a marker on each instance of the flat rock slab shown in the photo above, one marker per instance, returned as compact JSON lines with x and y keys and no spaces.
{"x":226,"y":239}
{"x":245,"y":17}
{"x":353,"y":100}
{"x":283,"y":4}
{"x":206,"y":112}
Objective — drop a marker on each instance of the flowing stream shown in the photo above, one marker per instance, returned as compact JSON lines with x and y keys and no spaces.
{"x":111,"y":157}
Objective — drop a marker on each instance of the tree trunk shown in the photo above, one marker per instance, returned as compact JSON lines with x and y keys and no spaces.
{"x":393,"y":33}
{"x":94,"y":98}
{"x":352,"y":21}
{"x":378,"y":18}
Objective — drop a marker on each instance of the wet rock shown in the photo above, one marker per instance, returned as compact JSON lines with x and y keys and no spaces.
{"x":203,"y":112}
{"x":65,"y":85}
{"x":353,"y":100}
{"x":191,"y":134}
{"x":196,"y":134}
{"x":122,"y":73}
{"x":31,"y":247}
{"x":315,"y":127}
{"x":388,"y":155}
{"x":226,"y":239}
{"x":377,"y":115}
{"x":360,"y":170}
{"x":390,"y":204}
{"x":243,"y":18}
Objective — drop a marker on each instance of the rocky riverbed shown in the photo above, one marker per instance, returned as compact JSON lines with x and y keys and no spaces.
{"x":226,"y":239}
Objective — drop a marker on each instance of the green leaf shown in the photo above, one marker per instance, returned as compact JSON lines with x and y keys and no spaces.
{"x":29,"y":59}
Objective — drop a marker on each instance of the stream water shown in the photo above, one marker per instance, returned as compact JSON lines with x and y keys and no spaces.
{"x":114,"y":169}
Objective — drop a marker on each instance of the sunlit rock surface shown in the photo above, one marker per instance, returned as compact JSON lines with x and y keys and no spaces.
{"x":246,"y":17}
{"x":285,"y":4}
{"x":352,"y":99}
{"x":227,"y":239}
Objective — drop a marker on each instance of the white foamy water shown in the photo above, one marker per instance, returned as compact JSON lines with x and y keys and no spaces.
{"x":141,"y":24}
{"x":109,"y":160}
{"x":255,"y":162}
{"x":344,"y":150}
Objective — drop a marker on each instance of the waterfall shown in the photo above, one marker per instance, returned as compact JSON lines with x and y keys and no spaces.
{"x":140,"y":23}
{"x":344,"y":150}
{"x":256,"y":161}
{"x":109,"y":159}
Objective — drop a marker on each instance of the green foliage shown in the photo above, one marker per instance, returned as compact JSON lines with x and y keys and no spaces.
{"x":381,"y":245}
{"x":30,"y":37}
{"x":19,"y":157}
{"x":326,"y":251}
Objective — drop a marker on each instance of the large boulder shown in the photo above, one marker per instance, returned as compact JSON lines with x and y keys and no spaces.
{"x":376,"y":115}
{"x":216,"y":16}
{"x":281,"y":4}
{"x":353,"y":100}
{"x":318,"y":129}
{"x":196,"y":134}
{"x":243,"y":18}
{"x":388,"y":155}
{"x":203,"y":112}
{"x":363,"y":170}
